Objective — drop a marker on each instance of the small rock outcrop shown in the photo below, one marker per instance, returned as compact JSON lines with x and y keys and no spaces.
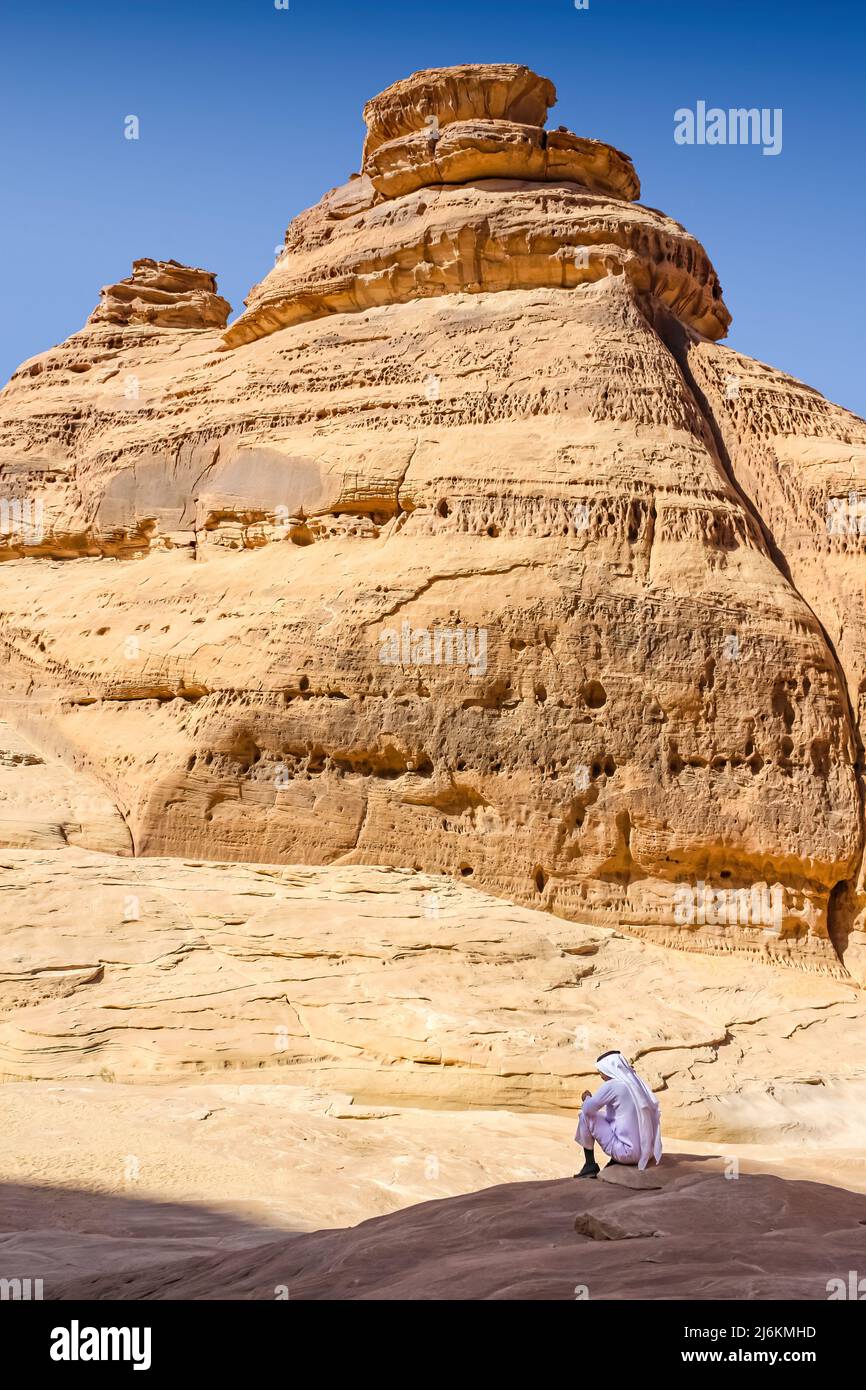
{"x":165,"y":294}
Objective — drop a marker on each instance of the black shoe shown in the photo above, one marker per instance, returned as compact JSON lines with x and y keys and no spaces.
{"x":589,"y":1170}
{"x":613,"y":1163}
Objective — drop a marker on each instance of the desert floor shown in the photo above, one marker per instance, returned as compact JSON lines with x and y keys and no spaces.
{"x":353,"y":1082}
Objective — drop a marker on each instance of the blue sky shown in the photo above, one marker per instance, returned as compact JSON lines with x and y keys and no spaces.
{"x":248,"y":113}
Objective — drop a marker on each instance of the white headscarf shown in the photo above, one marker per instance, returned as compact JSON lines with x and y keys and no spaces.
{"x":615,"y":1067}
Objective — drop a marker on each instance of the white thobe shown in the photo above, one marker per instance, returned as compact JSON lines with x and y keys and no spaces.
{"x":609,"y":1118}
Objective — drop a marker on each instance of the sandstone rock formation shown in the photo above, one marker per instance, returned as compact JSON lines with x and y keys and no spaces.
{"x":404,"y":989}
{"x":452,"y":136}
{"x":44,"y":805}
{"x":511,"y":1243}
{"x":164,"y":293}
{"x":455,"y":552}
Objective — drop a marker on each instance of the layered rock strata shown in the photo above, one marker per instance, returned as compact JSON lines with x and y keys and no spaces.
{"x":401,"y":988}
{"x":164,"y":293}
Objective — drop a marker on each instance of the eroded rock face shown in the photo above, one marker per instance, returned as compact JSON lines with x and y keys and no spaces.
{"x":45,"y":805}
{"x":402,"y":988}
{"x":445,"y":558}
{"x":462,"y":190}
{"x":440,"y":96}
{"x":164,"y":293}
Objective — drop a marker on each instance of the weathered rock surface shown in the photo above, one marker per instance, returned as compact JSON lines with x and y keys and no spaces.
{"x":404,"y":989}
{"x":44,"y":805}
{"x":518,"y":1242}
{"x":456,"y":196}
{"x":449,"y":562}
{"x":164,"y":293}
{"x":801,"y":463}
{"x":492,"y":91}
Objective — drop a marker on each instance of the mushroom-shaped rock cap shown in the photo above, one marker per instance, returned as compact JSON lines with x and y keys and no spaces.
{"x":463,"y":190}
{"x":486,"y":91}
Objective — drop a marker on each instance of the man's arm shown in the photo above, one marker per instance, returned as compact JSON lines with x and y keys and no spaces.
{"x":593,"y":1103}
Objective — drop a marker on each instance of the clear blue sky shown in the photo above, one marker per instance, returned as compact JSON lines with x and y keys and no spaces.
{"x":249,"y":113}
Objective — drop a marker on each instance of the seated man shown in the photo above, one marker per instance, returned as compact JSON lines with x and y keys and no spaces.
{"x":623,"y":1116}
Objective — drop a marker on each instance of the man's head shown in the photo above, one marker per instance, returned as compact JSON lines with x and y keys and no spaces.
{"x":606,"y":1064}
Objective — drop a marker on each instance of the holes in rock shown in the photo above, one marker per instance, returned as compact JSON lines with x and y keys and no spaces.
{"x":493,"y":531}
{"x":654,"y":712}
{"x":443,"y":509}
{"x":781,"y":705}
{"x":540,"y":694}
{"x":707,"y":680}
{"x":841,"y":910}
{"x":304,"y":683}
{"x":594,"y":694}
{"x":466,"y":871}
{"x":540,"y":880}
{"x":819,"y":750}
